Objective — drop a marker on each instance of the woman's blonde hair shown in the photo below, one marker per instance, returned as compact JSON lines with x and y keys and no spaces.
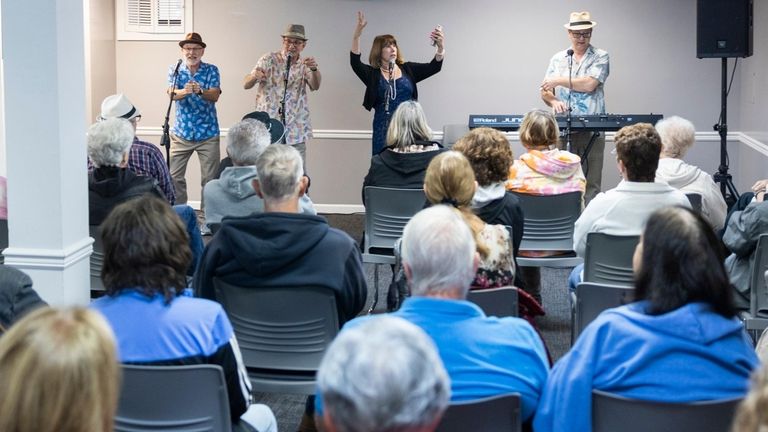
{"x":379,"y":43}
{"x":408,"y":125}
{"x":450,"y":180}
{"x":539,"y":129}
{"x":58,"y":373}
{"x":752,"y":414}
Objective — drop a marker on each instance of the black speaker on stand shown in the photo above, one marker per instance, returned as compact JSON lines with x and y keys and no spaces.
{"x":724,"y":30}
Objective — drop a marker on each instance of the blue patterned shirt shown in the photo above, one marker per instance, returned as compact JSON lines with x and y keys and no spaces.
{"x":196,"y":117}
{"x":594,"y":64}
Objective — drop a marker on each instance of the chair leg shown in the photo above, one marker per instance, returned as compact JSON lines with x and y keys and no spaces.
{"x":375,"y":288}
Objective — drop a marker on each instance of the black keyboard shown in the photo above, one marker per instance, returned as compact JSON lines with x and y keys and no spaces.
{"x":592,"y":122}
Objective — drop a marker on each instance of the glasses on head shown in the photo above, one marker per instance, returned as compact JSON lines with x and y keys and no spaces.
{"x":581,"y":35}
{"x":192,"y":49}
{"x":295,"y":42}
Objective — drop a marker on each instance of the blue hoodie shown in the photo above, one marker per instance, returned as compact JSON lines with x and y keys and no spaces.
{"x":685,"y":355}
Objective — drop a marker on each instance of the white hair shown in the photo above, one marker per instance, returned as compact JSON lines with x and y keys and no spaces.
{"x":439,"y":248}
{"x":677,"y":136}
{"x":280,"y":169}
{"x":383,"y":375}
{"x":246,"y":141}
{"x":408,"y":124}
{"x":108,"y":141}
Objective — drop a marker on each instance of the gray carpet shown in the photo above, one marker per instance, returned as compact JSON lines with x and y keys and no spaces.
{"x":555,"y":326}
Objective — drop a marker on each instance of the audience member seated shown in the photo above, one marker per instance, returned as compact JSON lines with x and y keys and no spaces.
{"x":144,"y":159}
{"x":146,"y":254}
{"x":543,"y":170}
{"x":741,"y":235}
{"x":490,"y":155}
{"x":624,"y":209}
{"x":405,"y":390}
{"x":677,"y":137}
{"x":17,"y":297}
{"x":752,"y":414}
{"x":58,"y":372}
{"x":679,"y":342}
{"x":232,"y":194}
{"x":409,"y":149}
{"x":111,"y":183}
{"x":484,"y":356}
{"x":450,"y":180}
{"x":282,"y":247}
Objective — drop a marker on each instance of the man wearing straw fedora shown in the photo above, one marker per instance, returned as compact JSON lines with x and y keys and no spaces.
{"x":281,"y":79}
{"x":589,"y":70}
{"x":196,"y":128}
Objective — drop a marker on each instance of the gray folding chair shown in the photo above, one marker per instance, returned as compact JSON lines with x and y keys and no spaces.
{"x":608,"y":259}
{"x":500,"y":302}
{"x":387,"y":211}
{"x":593,"y":298}
{"x":549,"y":224}
{"x":493,"y":414}
{"x":283,"y":332}
{"x":97,"y":259}
{"x":757,"y":319}
{"x":611,"y":412}
{"x":695,"y":199}
{"x":452,"y":133}
{"x":3,"y":238}
{"x":173,"y":398}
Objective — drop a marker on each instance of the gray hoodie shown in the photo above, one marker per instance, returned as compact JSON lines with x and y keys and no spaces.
{"x":232,"y":194}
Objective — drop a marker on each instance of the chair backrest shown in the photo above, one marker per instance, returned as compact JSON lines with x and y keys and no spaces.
{"x":452,"y":133}
{"x":608,"y":259}
{"x":757,"y":283}
{"x":283,"y":332}
{"x":97,"y":258}
{"x":500,"y":302}
{"x":611,"y":412}
{"x":549,"y":221}
{"x":695,"y":199}
{"x":387,"y":211}
{"x":593,"y":298}
{"x":173,"y":398}
{"x":214,"y":227}
{"x":493,"y":414}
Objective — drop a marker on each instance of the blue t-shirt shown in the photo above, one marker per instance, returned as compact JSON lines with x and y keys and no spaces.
{"x":196,"y":117}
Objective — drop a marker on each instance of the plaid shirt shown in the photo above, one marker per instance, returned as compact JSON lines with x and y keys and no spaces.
{"x":146,"y":159}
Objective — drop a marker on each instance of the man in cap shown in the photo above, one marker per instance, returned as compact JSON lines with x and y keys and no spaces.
{"x":144,"y":158}
{"x":196,"y":128}
{"x":233,"y":193}
{"x":287,"y":102}
{"x":587,"y":78}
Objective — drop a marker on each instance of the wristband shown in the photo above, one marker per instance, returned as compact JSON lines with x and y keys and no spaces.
{"x":313,"y":69}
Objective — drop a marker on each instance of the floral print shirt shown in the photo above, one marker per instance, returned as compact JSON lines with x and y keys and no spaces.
{"x":498,"y":268}
{"x":594,"y":64}
{"x":196,"y":117}
{"x":269,"y":95}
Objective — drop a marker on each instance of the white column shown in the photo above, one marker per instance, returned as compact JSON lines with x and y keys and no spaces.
{"x":44,"y":94}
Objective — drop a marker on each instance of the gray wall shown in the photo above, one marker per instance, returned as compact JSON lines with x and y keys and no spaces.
{"x":496,"y":55}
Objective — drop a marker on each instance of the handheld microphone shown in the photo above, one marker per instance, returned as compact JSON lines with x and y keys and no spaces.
{"x":391,"y":65}
{"x":569,"y":53}
{"x":178,"y":64}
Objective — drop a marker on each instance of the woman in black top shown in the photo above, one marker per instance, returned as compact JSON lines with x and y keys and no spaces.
{"x":388,"y":79}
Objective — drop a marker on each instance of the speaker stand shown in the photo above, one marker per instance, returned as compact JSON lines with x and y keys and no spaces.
{"x":722,"y":177}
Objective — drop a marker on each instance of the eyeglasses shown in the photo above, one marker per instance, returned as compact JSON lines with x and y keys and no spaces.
{"x":296,"y":42}
{"x":192,"y":49}
{"x":580,"y":35}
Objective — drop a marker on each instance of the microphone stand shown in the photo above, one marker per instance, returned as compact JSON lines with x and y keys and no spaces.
{"x":165,"y":140}
{"x":285,"y":95}
{"x":568,"y":114}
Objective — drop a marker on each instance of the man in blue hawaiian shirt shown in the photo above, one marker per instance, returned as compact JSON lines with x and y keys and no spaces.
{"x":589,"y":71}
{"x":196,"y":129}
